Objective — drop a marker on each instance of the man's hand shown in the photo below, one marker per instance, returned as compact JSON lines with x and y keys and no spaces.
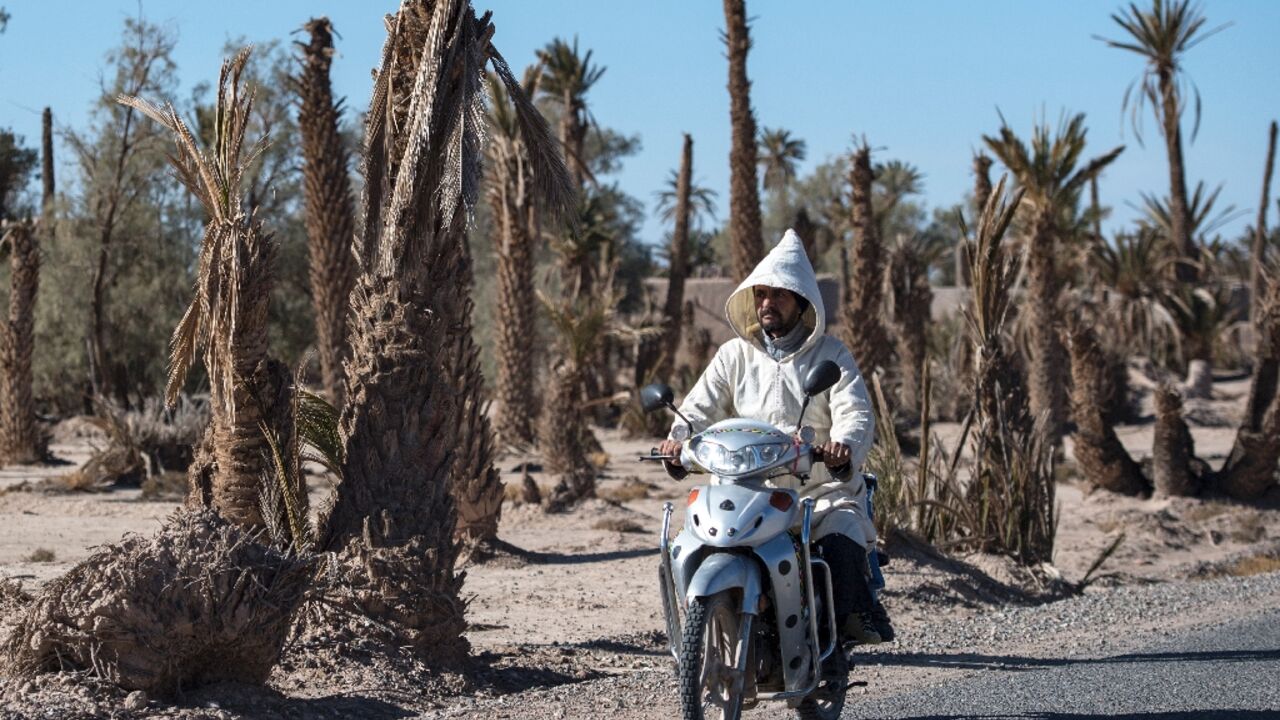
{"x":671,"y":447}
{"x":834,"y":454}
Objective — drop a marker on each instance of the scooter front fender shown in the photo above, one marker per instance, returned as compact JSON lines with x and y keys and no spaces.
{"x":726,"y":571}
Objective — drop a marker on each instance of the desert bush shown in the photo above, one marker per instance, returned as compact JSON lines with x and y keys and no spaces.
{"x":200,"y":601}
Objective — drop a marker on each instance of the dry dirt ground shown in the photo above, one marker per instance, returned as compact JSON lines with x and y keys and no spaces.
{"x":569,"y":623}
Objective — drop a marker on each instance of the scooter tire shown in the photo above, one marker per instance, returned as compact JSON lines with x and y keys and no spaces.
{"x":690,"y":669}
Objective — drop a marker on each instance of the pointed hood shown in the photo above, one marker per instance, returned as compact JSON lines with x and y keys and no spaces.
{"x":786,"y":266}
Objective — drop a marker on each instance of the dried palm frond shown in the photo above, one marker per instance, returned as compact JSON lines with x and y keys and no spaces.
{"x":214,"y":175}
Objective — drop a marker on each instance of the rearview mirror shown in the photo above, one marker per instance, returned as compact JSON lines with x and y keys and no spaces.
{"x":821,"y":377}
{"x":656,"y":396}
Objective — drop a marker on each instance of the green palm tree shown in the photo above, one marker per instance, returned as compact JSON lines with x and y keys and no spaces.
{"x":780,"y":154}
{"x":1162,"y":36}
{"x":1046,"y":170}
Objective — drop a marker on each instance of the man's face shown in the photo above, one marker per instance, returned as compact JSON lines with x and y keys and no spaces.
{"x":776,"y":309}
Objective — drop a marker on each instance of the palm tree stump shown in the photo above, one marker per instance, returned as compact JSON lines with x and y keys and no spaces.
{"x":199,"y":602}
{"x":21,"y":439}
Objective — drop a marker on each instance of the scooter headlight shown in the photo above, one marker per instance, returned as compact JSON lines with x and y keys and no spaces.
{"x":723,"y":461}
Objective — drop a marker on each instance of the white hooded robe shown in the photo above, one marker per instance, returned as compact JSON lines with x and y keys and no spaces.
{"x":743,"y":380}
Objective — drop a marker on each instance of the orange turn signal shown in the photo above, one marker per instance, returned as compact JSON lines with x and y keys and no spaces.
{"x":780,"y":500}
{"x":693,"y":496}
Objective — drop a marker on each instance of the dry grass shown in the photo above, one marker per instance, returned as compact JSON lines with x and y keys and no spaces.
{"x":1249,"y":528}
{"x":41,"y":555}
{"x":631,"y":489}
{"x":1204,"y":511}
{"x":165,"y":486}
{"x":618,"y":525}
{"x":1256,"y":565}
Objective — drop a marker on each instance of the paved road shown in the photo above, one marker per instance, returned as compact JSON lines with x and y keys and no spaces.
{"x":1228,"y":672}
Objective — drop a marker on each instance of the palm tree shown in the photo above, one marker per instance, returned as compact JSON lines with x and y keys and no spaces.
{"x":1259,"y":259}
{"x":911,"y":301}
{"x":330,"y":215}
{"x":580,"y":325}
{"x":567,"y":77}
{"x":227,"y":318}
{"x":1102,"y":458}
{"x":1162,"y":36}
{"x":780,"y":154}
{"x":861,"y":328}
{"x":657,"y":357}
{"x":981,"y":191}
{"x":511,"y":202}
{"x":1249,"y":470}
{"x":1047,"y":171}
{"x":406,"y":417}
{"x":745,"y":241}
{"x":20,"y":438}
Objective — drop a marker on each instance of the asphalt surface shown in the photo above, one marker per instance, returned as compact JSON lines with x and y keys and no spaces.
{"x":1228,"y":672}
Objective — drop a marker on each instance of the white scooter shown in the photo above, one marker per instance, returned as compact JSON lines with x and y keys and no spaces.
{"x":749,"y":612}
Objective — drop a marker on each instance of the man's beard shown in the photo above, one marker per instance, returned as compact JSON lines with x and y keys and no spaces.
{"x":775,"y":324}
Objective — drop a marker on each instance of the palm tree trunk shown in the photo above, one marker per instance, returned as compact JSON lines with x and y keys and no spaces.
{"x":1250,"y":467}
{"x":330,"y":216}
{"x":1179,"y":212}
{"x":1257,"y":280}
{"x":1172,"y":448}
{"x":862,"y":330}
{"x":1102,"y":458}
{"x":477,"y":487}
{"x":46,"y":167}
{"x":404,"y":422}
{"x":1045,"y":366}
{"x":564,"y":430}
{"x":657,"y":356}
{"x":807,"y":231}
{"x":516,"y":329}
{"x":912,"y":303}
{"x":746,"y":244}
{"x":20,"y":437}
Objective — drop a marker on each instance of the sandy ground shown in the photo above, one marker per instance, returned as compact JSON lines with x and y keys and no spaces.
{"x":580,"y":602}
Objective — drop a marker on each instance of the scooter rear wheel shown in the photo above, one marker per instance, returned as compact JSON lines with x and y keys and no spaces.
{"x":711,"y":686}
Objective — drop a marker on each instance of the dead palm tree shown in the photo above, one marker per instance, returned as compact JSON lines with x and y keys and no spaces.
{"x":861,"y":327}
{"x":745,"y":241}
{"x":1162,"y":36}
{"x":330,"y":214}
{"x":780,"y":155}
{"x":1046,"y":170}
{"x":1259,"y":259}
{"x":406,"y":416}
{"x":657,"y":356}
{"x":20,"y":438}
{"x":227,"y":318}
{"x":511,"y":202}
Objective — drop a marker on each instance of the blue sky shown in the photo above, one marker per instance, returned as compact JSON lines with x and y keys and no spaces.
{"x":921,"y":79}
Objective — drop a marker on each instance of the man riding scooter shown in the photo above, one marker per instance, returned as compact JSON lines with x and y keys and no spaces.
{"x":780,"y":322}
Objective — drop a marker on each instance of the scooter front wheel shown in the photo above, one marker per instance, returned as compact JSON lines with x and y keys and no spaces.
{"x":711,"y":681}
